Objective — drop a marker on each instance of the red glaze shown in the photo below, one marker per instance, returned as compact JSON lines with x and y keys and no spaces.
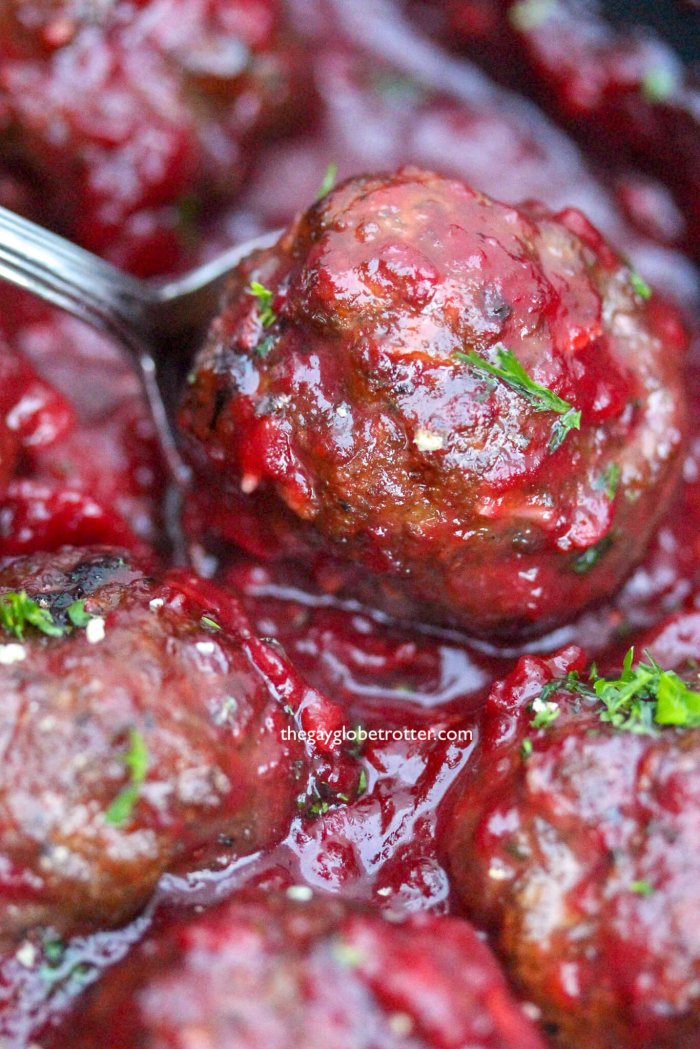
{"x":265,"y":971}
{"x":211,"y":707}
{"x":373,"y":113}
{"x":348,"y":428}
{"x":132,"y":117}
{"x":86,"y":466}
{"x":33,"y":416}
{"x":581,"y":858}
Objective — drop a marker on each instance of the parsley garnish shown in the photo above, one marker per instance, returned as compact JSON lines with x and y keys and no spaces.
{"x":609,"y":480}
{"x":528,"y":14}
{"x":526,"y":747}
{"x":590,"y":557}
{"x":642,"y":699}
{"x":136,"y":760}
{"x":18,"y":611}
{"x":545,"y":712}
{"x":658,"y":84}
{"x":328,"y":180}
{"x":347,"y":954}
{"x":362,"y":783}
{"x":264,"y":296}
{"x":510,"y":371}
{"x":640,"y":286}
{"x":264,"y":346}
{"x":642,"y":887}
{"x":77,"y":614}
{"x":209,"y":623}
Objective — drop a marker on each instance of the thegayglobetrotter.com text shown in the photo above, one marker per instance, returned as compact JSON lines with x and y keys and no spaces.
{"x":339,"y":736}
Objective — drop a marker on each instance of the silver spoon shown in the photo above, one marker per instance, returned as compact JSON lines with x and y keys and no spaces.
{"x":159,"y":324}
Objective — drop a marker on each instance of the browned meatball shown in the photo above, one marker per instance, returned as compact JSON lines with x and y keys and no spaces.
{"x":154,"y":725}
{"x":131,"y":118}
{"x":270,"y":973}
{"x":577,"y":844}
{"x":475,"y":409}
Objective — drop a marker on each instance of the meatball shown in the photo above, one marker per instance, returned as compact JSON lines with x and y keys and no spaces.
{"x":576,"y":842}
{"x":281,"y":973}
{"x":129,"y":120}
{"x":144,"y":729}
{"x":465,"y":412}
{"x":33,"y":416}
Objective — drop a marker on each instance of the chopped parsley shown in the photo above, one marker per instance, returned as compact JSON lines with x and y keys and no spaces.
{"x":640,"y":286}
{"x":264,"y":346}
{"x":528,"y":14}
{"x":61,"y":967}
{"x":264,"y":298}
{"x":328,"y":181}
{"x":209,"y":623}
{"x":77,"y":613}
{"x":526,"y":747}
{"x":658,"y":84}
{"x":136,"y":761}
{"x":545,"y":711}
{"x":642,"y":887}
{"x":609,"y":481}
{"x":643,"y":699}
{"x":362,"y":783}
{"x":510,"y":371}
{"x":590,"y":557}
{"x":348,"y":954}
{"x":19,"y":611}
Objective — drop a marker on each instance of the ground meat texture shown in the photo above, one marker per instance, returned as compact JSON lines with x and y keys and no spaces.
{"x":577,"y":846}
{"x":86,"y":825}
{"x":269,"y":971}
{"x":335,"y":412}
{"x":129,"y":120}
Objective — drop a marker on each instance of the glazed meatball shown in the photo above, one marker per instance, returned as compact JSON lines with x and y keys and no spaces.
{"x":129,"y":120}
{"x":462,"y":411}
{"x":277,"y":973}
{"x":141,"y":723}
{"x":576,"y":842}
{"x":33,"y":416}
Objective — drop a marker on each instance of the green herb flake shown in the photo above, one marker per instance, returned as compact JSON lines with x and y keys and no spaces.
{"x":362,"y":783}
{"x":529,"y":14}
{"x":328,"y":181}
{"x":77,"y":614}
{"x":347,"y":954}
{"x":318,"y":807}
{"x":264,"y":346}
{"x":54,"y":950}
{"x":209,"y":624}
{"x":526,"y":747}
{"x":639,"y":285}
{"x":658,"y":84}
{"x":510,"y":371}
{"x":19,"y":611}
{"x":642,"y":888}
{"x":609,"y":481}
{"x":136,"y":761}
{"x":590,"y":557}
{"x":643,"y":699}
{"x":545,"y":711}
{"x":264,"y":298}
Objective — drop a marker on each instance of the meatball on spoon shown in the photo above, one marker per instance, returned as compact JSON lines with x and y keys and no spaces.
{"x":160,"y":323}
{"x":459,"y":411}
